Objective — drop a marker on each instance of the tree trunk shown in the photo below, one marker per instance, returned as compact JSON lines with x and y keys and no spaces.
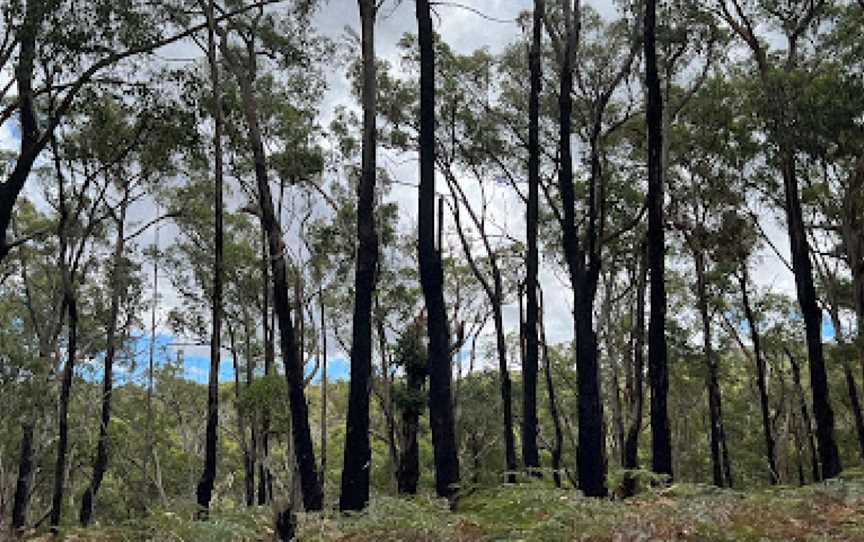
{"x":385,"y":393}
{"x":249,"y":330}
{"x":806,"y":421}
{"x":245,"y":447}
{"x":617,"y":410}
{"x":506,"y":386}
{"x":658,"y":375}
{"x":63,"y":415}
{"x":853,"y":242}
{"x":591,"y":453}
{"x":408,"y":468}
{"x":851,"y":386}
{"x":265,"y":490}
{"x":208,"y":476}
{"x":25,"y":470}
{"x":760,"y":375}
{"x":323,"y":392}
{"x":712,"y":381}
{"x":100,"y":461}
{"x":495,"y":294}
{"x":631,"y":441}
{"x":358,"y":455}
{"x":802,"y":266}
{"x":432,"y":273}
{"x":31,"y":143}
{"x":301,"y":432}
{"x":530,"y":456}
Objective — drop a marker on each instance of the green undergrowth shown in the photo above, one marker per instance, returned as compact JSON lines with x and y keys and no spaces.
{"x":536,"y":512}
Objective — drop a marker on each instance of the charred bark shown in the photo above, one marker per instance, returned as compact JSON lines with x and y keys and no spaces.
{"x":25,"y":470}
{"x":414,"y":363}
{"x":358,"y":454}
{"x":658,"y":373}
{"x":432,"y":273}
{"x":63,"y":414}
{"x":530,"y":456}
{"x":760,"y":375}
{"x":802,"y":266}
{"x":631,"y":440}
{"x":304,"y":451}
{"x":100,"y":461}
{"x":208,"y":476}
{"x":719,"y":455}
{"x":806,"y":420}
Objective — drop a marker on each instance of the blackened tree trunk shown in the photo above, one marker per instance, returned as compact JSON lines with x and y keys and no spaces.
{"x":851,"y":386}
{"x":530,"y":456}
{"x":658,"y":374}
{"x":304,"y":450}
{"x":631,"y":440}
{"x":63,"y":415}
{"x":495,"y":293}
{"x":32,"y":144}
{"x":358,"y":455}
{"x":413,"y":360}
{"x":432,"y":273}
{"x":802,"y":266}
{"x":783,"y":125}
{"x":506,"y":385}
{"x":583,"y":265}
{"x":245,"y":446}
{"x":264,"y":485}
{"x":384,"y":392}
{"x":70,"y":304}
{"x":252,"y":450}
{"x":761,"y":384}
{"x":806,"y":421}
{"x":208,"y":476}
{"x":47,"y":343}
{"x":100,"y":461}
{"x":323,"y":390}
{"x":719,"y":456}
{"x":853,"y":244}
{"x":25,"y":470}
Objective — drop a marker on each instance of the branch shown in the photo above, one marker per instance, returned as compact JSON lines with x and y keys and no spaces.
{"x":627,"y":227}
{"x":88,"y":75}
{"x":29,"y":237}
{"x":475,"y":11}
{"x":145,"y":227}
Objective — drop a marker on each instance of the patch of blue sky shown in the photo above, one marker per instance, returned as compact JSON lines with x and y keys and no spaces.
{"x":132,"y":366}
{"x":828,"y":332}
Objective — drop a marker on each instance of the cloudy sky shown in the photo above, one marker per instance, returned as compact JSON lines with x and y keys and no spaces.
{"x":465,"y":30}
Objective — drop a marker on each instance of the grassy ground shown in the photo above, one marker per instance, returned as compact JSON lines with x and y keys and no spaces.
{"x":532,"y":512}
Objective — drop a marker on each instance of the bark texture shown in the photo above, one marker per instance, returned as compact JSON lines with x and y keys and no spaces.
{"x":441,"y":415}
{"x":358,"y":455}
{"x":658,"y":373}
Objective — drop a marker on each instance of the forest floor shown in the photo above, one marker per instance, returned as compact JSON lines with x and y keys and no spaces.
{"x":532,"y":512}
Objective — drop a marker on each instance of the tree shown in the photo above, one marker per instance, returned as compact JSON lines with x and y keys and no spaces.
{"x":208,"y":476}
{"x":244,"y":69}
{"x":411,"y":356}
{"x":530,"y":456}
{"x":777,"y":81}
{"x":432,"y":272}
{"x":355,"y":470}
{"x":658,"y":373}
{"x":37,"y":134}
